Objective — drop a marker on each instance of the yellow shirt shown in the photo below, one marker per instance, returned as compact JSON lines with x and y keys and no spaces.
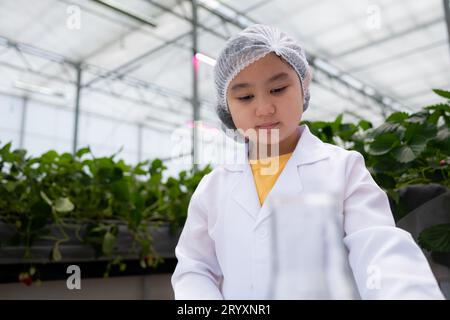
{"x":266,"y":173}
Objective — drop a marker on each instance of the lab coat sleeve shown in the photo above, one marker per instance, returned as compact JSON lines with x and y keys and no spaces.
{"x":197,"y":273}
{"x":385,"y":260}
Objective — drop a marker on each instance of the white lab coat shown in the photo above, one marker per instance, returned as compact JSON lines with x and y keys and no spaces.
{"x":222,"y":250}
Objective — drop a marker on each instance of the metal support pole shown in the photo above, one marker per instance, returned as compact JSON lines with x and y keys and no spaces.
{"x":23,"y":122}
{"x":447,"y":17}
{"x":140,"y":132}
{"x":195,"y":104}
{"x":77,"y":108}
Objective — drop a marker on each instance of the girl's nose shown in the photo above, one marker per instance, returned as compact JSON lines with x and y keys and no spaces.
{"x":265,"y":108}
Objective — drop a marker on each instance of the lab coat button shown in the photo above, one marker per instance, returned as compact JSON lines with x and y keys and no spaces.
{"x":263,"y":232}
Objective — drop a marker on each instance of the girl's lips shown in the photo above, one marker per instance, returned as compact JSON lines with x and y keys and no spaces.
{"x":268,"y":125}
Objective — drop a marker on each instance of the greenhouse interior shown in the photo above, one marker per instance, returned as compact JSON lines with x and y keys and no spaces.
{"x":110,"y":120}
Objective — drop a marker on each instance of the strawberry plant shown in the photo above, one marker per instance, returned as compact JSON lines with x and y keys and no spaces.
{"x":90,"y":197}
{"x":406,"y":149}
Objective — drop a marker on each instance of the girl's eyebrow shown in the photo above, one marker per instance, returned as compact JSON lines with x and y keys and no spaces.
{"x":278,"y":76}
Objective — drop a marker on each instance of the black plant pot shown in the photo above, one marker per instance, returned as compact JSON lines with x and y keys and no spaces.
{"x":428,"y":205}
{"x":74,"y":250}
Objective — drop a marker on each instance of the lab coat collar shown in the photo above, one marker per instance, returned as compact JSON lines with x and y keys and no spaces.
{"x":309,"y":149}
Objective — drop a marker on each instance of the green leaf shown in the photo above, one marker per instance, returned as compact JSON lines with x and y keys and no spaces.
{"x":418,"y":144}
{"x":81,"y":152}
{"x":436,"y":238}
{"x":20,"y":154}
{"x":315,"y":126}
{"x":346,"y":132}
{"x":442,"y":93}
{"x":139,"y":171}
{"x":5,"y":150}
{"x":109,"y":241}
{"x":121,"y":190}
{"x":387,"y":127}
{"x":397,"y":117}
{"x":433,"y":118}
{"x":136,"y":217}
{"x":365,"y":125}
{"x":337,"y":123}
{"x":46,"y":198}
{"x":49,"y":157}
{"x":443,"y":134}
{"x":385,"y":181}
{"x":423,"y":130}
{"x":123,"y":166}
{"x":441,"y":107}
{"x":404,"y":154}
{"x":383,"y":144}
{"x":156,"y":167}
{"x":418,"y":117}
{"x":10,"y":186}
{"x":40,"y":214}
{"x":117,"y":174}
{"x":65,"y":158}
{"x":63,"y":205}
{"x":56,"y":253}
{"x":412,"y":150}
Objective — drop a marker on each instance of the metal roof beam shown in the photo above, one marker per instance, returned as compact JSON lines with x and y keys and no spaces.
{"x":125,"y":12}
{"x":388,"y":38}
{"x":339,"y":77}
{"x":56,"y":58}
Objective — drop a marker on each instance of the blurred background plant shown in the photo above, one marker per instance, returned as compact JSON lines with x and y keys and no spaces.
{"x":407,"y":149}
{"x":92,"y":197}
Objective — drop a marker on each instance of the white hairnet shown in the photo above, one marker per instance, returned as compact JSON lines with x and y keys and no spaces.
{"x":248,"y":46}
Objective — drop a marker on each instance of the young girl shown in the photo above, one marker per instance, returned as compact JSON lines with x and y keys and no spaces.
{"x":224,"y":252}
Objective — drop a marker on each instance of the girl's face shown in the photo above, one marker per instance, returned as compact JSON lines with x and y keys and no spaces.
{"x":266,"y":95}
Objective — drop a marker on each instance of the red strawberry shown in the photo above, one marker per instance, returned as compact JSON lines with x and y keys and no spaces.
{"x":442,"y":162}
{"x":26,"y":278}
